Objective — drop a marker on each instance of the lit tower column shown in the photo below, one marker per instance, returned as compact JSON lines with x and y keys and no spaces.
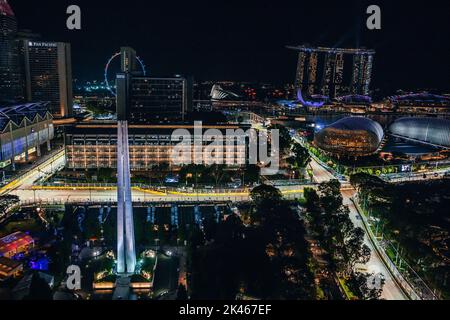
{"x":126,"y":251}
{"x":126,"y":255}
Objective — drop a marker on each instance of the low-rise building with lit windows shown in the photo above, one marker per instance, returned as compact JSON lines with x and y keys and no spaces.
{"x":10,"y":268}
{"x":420,"y":103}
{"x":24,"y":129}
{"x":15,"y":243}
{"x":94,"y":146}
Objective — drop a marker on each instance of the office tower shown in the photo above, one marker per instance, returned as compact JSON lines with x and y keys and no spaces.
{"x":160,"y":99}
{"x":48,"y":74}
{"x":333,"y":72}
{"x":10,"y":77}
{"x":126,"y":252}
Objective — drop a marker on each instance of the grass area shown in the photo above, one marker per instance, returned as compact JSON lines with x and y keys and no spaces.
{"x":320,"y":294}
{"x":348,"y":293}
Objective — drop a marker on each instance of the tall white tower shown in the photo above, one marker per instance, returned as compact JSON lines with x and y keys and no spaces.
{"x":126,"y":251}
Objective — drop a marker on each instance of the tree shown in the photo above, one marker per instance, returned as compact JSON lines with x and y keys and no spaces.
{"x":330,"y":194}
{"x":285,"y":136}
{"x":251,"y":173}
{"x":266,"y":194}
{"x":106,"y":175}
{"x":301,"y":156}
{"x":364,"y":180}
{"x":190,"y":173}
{"x":313,"y":207}
{"x":288,"y":250}
{"x":355,"y":251}
{"x":358,"y":285}
{"x":218,"y":173}
{"x":338,"y":236}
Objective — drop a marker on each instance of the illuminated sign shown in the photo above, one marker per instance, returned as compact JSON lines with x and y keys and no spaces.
{"x":43,"y":44}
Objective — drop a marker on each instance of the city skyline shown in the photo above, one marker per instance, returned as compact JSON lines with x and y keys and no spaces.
{"x":250,"y":152}
{"x":220,"y":48}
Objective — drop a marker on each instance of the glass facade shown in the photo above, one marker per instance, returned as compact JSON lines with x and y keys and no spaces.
{"x":11,"y":89}
{"x":351,"y":136}
{"x":429,"y":130}
{"x":159,"y":99}
{"x":48,"y":75}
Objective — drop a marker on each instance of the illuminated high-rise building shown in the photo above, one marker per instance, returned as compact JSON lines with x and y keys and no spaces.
{"x":324,"y":71}
{"x":48,"y":74}
{"x":10,"y":76}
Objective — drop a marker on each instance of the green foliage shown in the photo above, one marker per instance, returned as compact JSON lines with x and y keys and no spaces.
{"x":358,"y":284}
{"x":267,"y":259}
{"x":285,"y":137}
{"x":415,"y":215}
{"x":335,"y":231}
{"x":200,"y":174}
{"x":251,"y":173}
{"x":264,"y":196}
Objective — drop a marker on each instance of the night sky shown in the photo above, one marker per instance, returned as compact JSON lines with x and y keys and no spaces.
{"x":245,"y":40}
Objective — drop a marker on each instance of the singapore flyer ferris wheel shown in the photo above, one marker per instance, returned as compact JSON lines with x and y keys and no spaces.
{"x":110,"y":87}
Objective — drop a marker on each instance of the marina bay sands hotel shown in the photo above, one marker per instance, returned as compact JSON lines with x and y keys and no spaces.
{"x":333,"y":72}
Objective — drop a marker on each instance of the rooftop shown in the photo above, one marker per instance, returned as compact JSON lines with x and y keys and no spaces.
{"x":17,"y":113}
{"x":423,"y":97}
{"x":8,"y":265}
{"x":14,"y":240}
{"x":307,"y":48}
{"x":108,"y":129}
{"x":359,"y":124}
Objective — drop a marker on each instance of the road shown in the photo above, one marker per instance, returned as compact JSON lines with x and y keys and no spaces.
{"x":28,"y":195}
{"x":320,"y":174}
{"x":23,"y":187}
{"x":27,"y":180}
{"x":391,"y":290}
